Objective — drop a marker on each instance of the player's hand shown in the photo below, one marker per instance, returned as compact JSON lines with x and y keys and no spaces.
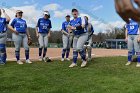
{"x":138,"y":39}
{"x":37,"y":35}
{"x":49,"y":35}
{"x":126,"y":9}
{"x":16,"y":32}
{"x":126,"y":39}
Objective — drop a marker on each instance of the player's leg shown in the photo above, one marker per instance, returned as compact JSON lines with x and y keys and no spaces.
{"x":26,"y":47}
{"x":89,"y":49}
{"x":130,"y":49}
{"x":65,"y":43}
{"x":46,"y":59}
{"x":137,"y":49}
{"x":17,"y":42}
{"x":3,"y":37}
{"x":75,"y":52}
{"x":80,"y":47}
{"x":41,"y":45}
{"x":68,"y":48}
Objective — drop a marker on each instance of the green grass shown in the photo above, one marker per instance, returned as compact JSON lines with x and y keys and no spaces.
{"x":103,"y":75}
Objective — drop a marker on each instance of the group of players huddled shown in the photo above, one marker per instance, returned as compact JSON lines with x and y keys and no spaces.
{"x":77,"y":31}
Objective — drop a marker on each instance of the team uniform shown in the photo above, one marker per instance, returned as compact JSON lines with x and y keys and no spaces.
{"x":3,"y":37}
{"x":88,"y":45}
{"x":133,"y":44}
{"x":67,"y":40}
{"x":20,"y":26}
{"x":44,"y":26}
{"x":80,"y":37}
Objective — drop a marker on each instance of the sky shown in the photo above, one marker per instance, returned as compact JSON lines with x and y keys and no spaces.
{"x":101,"y":13}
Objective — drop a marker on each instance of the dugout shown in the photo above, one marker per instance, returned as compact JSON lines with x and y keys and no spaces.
{"x":116,"y":44}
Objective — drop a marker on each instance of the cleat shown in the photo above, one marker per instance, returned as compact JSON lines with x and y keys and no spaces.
{"x":2,"y":63}
{"x":48,"y":59}
{"x":138,"y":65}
{"x":62,"y":59}
{"x":40,"y":58}
{"x":28,"y":61}
{"x":67,"y":59}
{"x":19,"y":62}
{"x":128,"y":63}
{"x":44,"y":59}
{"x":84,"y":64}
{"x":89,"y":59}
{"x":73,"y":65}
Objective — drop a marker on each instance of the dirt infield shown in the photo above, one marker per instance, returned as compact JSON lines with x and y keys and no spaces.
{"x":55,"y":53}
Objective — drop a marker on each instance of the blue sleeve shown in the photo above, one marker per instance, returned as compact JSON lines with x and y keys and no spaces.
{"x":92,"y":29}
{"x":38,"y":23}
{"x":63,"y":26}
{"x":50,"y":25}
{"x":13,"y":23}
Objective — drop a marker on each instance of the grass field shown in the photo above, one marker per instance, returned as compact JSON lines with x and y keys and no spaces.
{"x":104,"y":75}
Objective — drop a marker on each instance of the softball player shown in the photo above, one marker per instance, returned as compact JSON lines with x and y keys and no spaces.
{"x":3,"y":36}
{"x":88,"y":44}
{"x":20,"y":35}
{"x":43,"y":33}
{"x":66,"y":39}
{"x":77,"y":25}
{"x":132,"y":37}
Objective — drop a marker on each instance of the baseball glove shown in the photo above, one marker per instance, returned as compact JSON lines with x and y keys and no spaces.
{"x":29,"y":41}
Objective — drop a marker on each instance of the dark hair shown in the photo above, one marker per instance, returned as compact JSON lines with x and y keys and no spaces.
{"x":74,"y":10}
{"x":67,"y":15}
{"x":86,"y":17}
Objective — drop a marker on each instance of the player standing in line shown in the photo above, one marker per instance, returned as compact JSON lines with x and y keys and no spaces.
{"x":20,"y":35}
{"x":66,"y":39}
{"x":3,"y":36}
{"x":132,"y":37}
{"x":43,"y":33}
{"x":77,"y":25}
{"x":88,"y":44}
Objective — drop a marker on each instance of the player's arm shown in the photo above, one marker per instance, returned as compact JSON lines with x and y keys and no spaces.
{"x":28,"y":34}
{"x":50,"y":26}
{"x":36,"y":29}
{"x":11,"y":27}
{"x":126,"y":35}
{"x":6,"y":16}
{"x":80,"y":26}
{"x":63,"y":29}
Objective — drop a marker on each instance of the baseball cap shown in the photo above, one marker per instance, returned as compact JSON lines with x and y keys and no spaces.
{"x":74,"y":10}
{"x":19,"y":11}
{"x":67,"y":15}
{"x":46,"y":13}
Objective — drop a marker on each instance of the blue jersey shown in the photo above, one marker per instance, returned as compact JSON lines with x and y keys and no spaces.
{"x":65,"y":25}
{"x":19,"y":25}
{"x":44,"y":25}
{"x":132,"y":28}
{"x":3,"y":24}
{"x":78,"y":22}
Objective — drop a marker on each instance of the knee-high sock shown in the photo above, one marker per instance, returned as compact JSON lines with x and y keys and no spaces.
{"x":40,"y":51}
{"x":3,"y":53}
{"x":138,"y":56}
{"x":130,"y":56}
{"x":63,"y":53}
{"x":17,"y":54}
{"x":67,"y":53}
{"x":27,"y":54}
{"x":75,"y":55}
{"x":44,"y":52}
{"x":82,"y":54}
